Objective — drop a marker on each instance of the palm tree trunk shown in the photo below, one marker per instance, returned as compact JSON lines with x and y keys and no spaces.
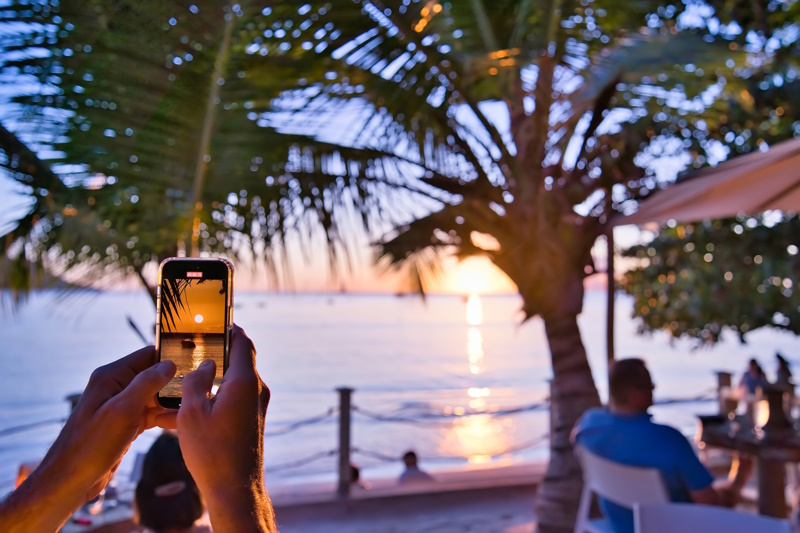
{"x":573,"y":391}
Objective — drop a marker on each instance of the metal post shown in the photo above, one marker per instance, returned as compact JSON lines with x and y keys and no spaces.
{"x":610,"y":304}
{"x":344,"y":442}
{"x":724,"y":382}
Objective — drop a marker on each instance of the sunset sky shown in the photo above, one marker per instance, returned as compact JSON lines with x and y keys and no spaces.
{"x":312,"y":274}
{"x":205,"y":312}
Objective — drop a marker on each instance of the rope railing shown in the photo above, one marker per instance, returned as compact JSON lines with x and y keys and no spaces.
{"x":707,"y":396}
{"x":437,"y":417}
{"x":7,"y":485}
{"x":532,"y":443}
{"x":299,"y":462}
{"x":27,"y":427}
{"x":434,"y":417}
{"x":294,"y":426}
{"x":429,"y":418}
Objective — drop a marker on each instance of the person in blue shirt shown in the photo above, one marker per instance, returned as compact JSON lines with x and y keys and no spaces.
{"x":624,"y":433}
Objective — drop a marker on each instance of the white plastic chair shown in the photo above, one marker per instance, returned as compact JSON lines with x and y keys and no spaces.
{"x":696,"y":518}
{"x":618,"y":483}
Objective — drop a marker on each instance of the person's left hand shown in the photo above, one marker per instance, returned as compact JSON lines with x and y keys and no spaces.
{"x":117,"y":405}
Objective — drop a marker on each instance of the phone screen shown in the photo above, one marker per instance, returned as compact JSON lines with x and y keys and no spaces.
{"x":193,"y":324}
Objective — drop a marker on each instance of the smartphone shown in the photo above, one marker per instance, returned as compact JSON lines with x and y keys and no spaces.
{"x":194,"y":315}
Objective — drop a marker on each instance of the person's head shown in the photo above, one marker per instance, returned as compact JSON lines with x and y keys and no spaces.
{"x":782,"y":362}
{"x":410,"y":459}
{"x":355,"y":473}
{"x":167,"y":497}
{"x":754,"y":367}
{"x":630,"y":386}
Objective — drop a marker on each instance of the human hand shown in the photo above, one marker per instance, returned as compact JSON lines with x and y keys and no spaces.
{"x":117,"y":405}
{"x":222,"y":439}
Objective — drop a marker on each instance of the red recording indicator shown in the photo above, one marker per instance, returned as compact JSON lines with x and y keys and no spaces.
{"x":194,"y":274}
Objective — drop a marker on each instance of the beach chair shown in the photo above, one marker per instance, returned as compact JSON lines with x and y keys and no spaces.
{"x":697,"y":518}
{"x":618,"y":483}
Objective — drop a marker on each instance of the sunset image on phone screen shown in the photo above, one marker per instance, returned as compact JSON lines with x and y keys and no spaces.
{"x":192,"y":326}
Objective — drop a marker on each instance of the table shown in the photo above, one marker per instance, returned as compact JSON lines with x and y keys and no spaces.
{"x":771,"y":450}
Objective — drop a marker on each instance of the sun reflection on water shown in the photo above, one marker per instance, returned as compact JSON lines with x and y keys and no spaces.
{"x":474,"y":335}
{"x":474,"y":310}
{"x":480,"y":437}
{"x":475,"y":350}
{"x":198,"y":355}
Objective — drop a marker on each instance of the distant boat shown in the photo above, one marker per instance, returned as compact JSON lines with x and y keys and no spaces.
{"x":188,"y":343}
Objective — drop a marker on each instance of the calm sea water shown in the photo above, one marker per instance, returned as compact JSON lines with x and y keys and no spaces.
{"x":187,"y":351}
{"x":407,"y":360}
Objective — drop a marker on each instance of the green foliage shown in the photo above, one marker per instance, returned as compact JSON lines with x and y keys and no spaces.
{"x":224,"y":128}
{"x":677,"y":290}
{"x":697,"y":280}
{"x":761,"y":102}
{"x":115,"y":94}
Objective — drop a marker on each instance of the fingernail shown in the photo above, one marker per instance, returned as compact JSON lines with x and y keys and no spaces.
{"x":205,"y":364}
{"x":166,"y":368}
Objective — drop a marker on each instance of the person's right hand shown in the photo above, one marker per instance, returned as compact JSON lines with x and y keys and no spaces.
{"x":222,"y":439}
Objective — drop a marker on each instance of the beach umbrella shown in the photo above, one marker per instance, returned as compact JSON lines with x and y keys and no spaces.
{"x":749,"y":184}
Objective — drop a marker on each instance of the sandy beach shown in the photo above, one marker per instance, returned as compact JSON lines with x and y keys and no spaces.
{"x":486,"y":500}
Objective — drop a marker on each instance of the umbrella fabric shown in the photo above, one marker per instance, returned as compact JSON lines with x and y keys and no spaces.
{"x":751,"y":184}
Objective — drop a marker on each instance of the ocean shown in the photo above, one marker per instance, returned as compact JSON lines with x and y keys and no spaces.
{"x":460,"y":381}
{"x":187,"y":351}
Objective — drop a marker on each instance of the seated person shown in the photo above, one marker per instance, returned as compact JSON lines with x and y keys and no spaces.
{"x":624,"y":433}
{"x":752,"y":379}
{"x":167,"y":498}
{"x":413,"y":474}
{"x":355,"y":478}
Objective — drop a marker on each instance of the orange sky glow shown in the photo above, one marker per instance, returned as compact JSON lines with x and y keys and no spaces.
{"x":205,"y":312}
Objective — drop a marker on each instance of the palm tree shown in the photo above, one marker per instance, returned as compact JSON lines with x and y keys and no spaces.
{"x":507,"y":129}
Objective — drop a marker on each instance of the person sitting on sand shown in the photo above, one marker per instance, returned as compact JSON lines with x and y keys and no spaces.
{"x":221,"y":439}
{"x":624,"y":433}
{"x":412,"y":473}
{"x":167,"y":498}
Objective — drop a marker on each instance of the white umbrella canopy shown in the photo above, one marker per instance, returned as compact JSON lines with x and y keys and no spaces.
{"x":751,"y":184}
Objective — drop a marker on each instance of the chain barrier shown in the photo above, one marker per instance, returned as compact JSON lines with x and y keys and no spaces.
{"x":294,"y":426}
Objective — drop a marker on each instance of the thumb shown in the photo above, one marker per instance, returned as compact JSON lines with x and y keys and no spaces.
{"x":197,"y":384}
{"x":146,"y":384}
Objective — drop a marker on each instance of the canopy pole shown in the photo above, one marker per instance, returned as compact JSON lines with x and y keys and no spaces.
{"x":610,"y":302}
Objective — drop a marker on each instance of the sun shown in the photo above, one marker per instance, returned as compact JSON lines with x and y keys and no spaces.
{"x":198,"y":318}
{"x":475,"y":275}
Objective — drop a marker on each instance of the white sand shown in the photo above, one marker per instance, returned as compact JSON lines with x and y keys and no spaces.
{"x":486,"y":501}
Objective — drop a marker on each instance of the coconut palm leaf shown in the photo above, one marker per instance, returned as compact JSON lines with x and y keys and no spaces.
{"x":231,"y":128}
{"x":174,"y":300}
